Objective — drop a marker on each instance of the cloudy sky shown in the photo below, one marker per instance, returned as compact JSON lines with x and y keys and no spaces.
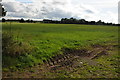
{"x":91,"y":10}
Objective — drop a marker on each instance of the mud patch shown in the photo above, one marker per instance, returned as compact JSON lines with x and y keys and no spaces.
{"x":70,"y":56}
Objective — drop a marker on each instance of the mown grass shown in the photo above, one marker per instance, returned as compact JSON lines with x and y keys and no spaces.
{"x":49,"y":39}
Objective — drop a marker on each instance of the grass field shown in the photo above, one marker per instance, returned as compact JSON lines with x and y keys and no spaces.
{"x":36,"y":43}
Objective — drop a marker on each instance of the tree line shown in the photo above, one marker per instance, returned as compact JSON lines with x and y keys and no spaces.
{"x":62,"y":21}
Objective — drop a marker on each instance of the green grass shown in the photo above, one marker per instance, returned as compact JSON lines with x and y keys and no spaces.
{"x":49,"y":39}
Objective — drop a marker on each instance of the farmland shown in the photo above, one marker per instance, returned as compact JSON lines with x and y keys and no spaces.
{"x":34,"y":44}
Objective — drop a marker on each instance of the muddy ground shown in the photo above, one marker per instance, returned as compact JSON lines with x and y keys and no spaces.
{"x":98,"y":62}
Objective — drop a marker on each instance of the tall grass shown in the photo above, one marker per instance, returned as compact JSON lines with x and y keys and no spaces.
{"x":50,"y":39}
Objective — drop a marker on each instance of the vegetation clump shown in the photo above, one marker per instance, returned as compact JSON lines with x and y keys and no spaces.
{"x":13,"y":47}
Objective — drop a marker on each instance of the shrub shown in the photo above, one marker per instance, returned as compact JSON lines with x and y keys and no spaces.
{"x":11,"y":47}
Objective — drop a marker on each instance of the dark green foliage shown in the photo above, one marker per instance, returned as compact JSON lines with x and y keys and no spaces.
{"x":2,"y":9}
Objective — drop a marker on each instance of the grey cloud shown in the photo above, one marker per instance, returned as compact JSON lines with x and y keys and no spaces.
{"x":10,"y":7}
{"x":58,"y":3}
{"x":44,"y":9}
{"x":57,"y":13}
{"x":89,"y":11}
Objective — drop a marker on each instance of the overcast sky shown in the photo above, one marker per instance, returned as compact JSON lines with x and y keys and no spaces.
{"x":94,"y":10}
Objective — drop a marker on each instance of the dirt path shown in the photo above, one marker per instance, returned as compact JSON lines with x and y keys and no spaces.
{"x":74,"y":63}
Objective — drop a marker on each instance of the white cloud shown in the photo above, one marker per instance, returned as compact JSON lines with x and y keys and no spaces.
{"x":56,"y":9}
{"x":8,"y":0}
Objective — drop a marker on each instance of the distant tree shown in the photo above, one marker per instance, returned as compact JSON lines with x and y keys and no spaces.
{"x":82,"y":21}
{"x":47,"y":21}
{"x":28,"y":20}
{"x":64,"y":20}
{"x":99,"y":22}
{"x":92,"y":22}
{"x":72,"y":20}
{"x":3,"y":20}
{"x":31,"y":21}
{"x":22,"y":20}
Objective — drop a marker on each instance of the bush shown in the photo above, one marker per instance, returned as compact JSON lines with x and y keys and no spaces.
{"x":11,"y":47}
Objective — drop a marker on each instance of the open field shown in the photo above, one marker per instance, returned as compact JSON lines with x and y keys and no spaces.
{"x":30,"y":44}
